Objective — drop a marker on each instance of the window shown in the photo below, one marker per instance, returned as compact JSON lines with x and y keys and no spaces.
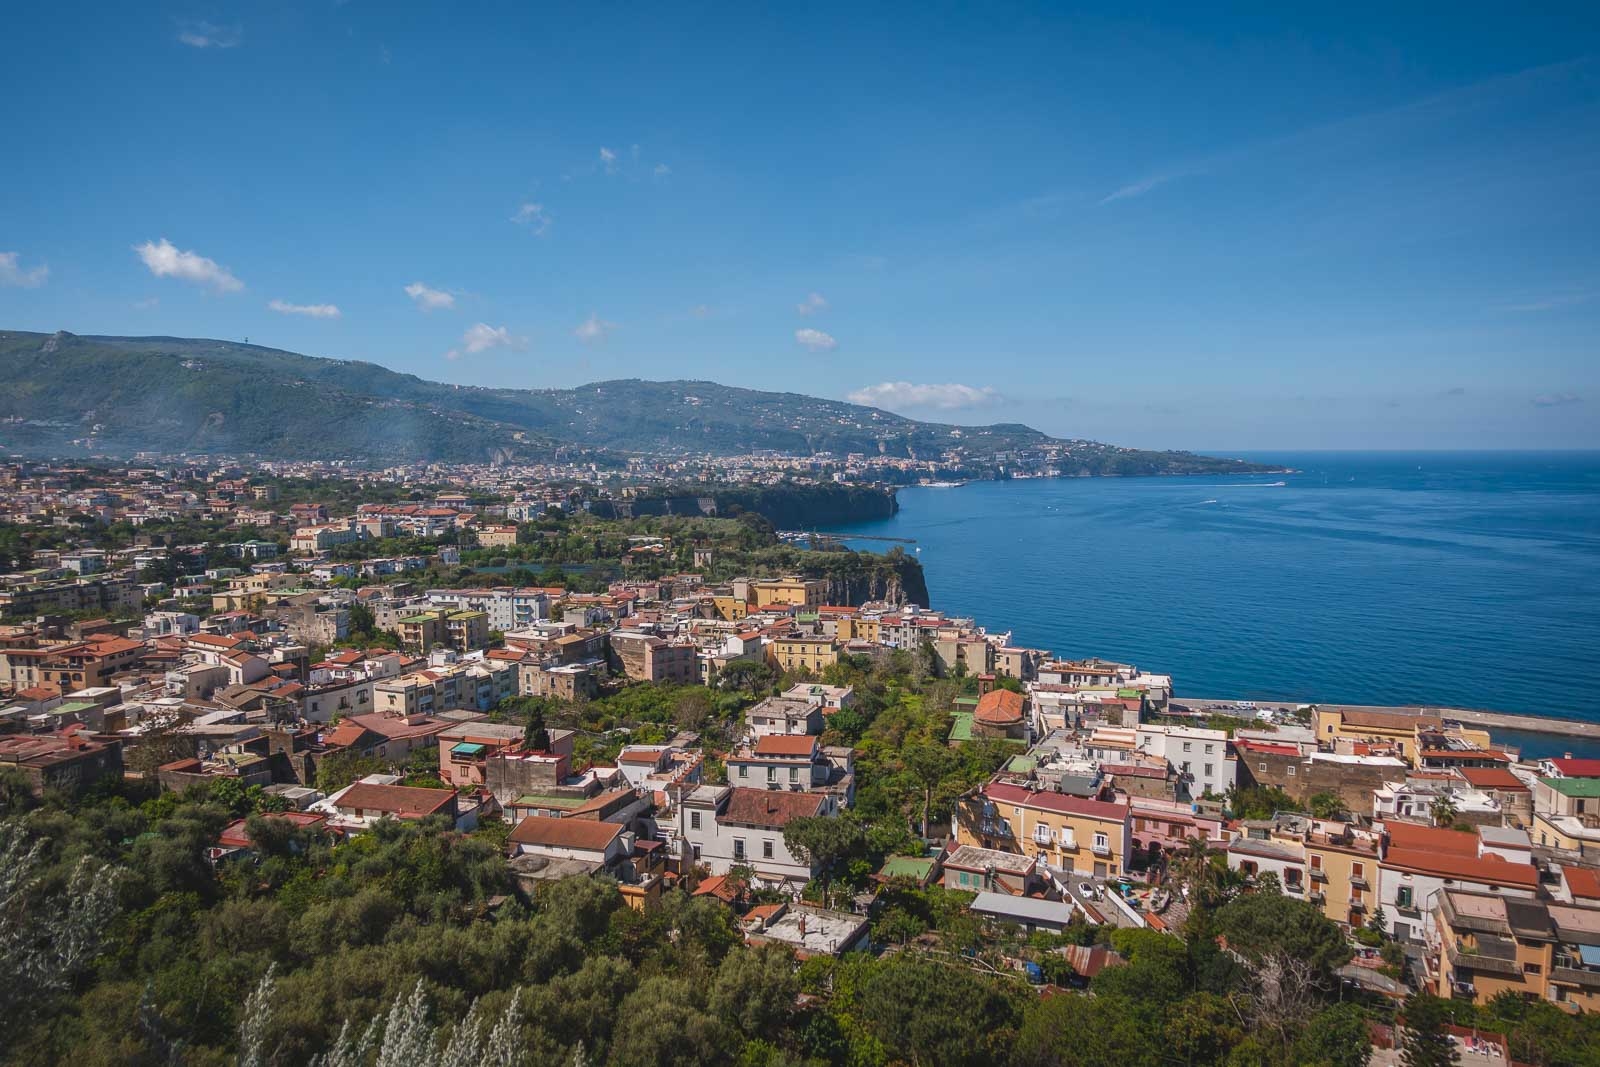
{"x":744,"y":771}
{"x":1358,"y":870}
{"x":772,"y":774}
{"x":1532,"y":968}
{"x":738,"y":849}
{"x":794,"y":774}
{"x":694,"y":820}
{"x":1316,"y":862}
{"x":696,"y":851}
{"x":1402,"y":897}
{"x":1210,"y":748}
{"x":766,"y":849}
{"x":1102,"y":843}
{"x":1210,"y":769}
{"x":1290,"y":770}
{"x":1262,"y":766}
{"x":1188,"y":747}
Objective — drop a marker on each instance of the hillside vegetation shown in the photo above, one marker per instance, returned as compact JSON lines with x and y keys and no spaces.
{"x":118,"y":395}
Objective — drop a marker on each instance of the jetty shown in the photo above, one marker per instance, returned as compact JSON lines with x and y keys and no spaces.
{"x":1490,"y":720}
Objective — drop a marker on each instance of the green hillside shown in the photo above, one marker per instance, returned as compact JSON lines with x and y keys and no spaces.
{"x":67,"y":394}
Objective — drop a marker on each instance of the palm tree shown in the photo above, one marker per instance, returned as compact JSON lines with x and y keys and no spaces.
{"x":1443,"y":809}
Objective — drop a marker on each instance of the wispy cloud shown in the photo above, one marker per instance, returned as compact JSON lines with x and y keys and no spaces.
{"x":660,"y":170}
{"x":812,"y":304}
{"x":430,"y":299}
{"x":147,"y":303}
{"x":310,"y":311}
{"x":950,"y":396}
{"x":1556,"y":400}
{"x":166,"y":261}
{"x":202,"y":34}
{"x":816,"y":340}
{"x":12,"y":274}
{"x":608,"y":160}
{"x":534,"y":217}
{"x":1139,"y":188}
{"x":593,"y":330}
{"x":480,"y":337}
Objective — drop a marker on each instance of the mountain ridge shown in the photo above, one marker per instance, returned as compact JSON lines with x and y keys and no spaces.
{"x":117,"y":395}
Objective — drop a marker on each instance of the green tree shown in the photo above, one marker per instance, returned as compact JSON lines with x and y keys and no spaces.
{"x":1424,"y":1041}
{"x":932,"y":1013}
{"x":1443,"y":809}
{"x":1334,"y":1037}
{"x":822,"y":841}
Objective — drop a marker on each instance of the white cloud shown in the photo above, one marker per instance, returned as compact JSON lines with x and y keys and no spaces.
{"x":480,"y":337}
{"x":534,"y":217}
{"x":209,"y":35}
{"x":608,"y":160}
{"x":947,"y":397}
{"x":593,"y":329}
{"x":816,"y":340}
{"x":812,"y":304}
{"x":661,"y":170}
{"x":1556,"y":400}
{"x":702,"y":311}
{"x":147,"y":304}
{"x":430,"y":299}
{"x":1137,"y":188}
{"x":166,"y":261}
{"x":11,"y":272}
{"x":310,"y":311}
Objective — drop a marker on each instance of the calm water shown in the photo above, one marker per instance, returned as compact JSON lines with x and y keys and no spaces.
{"x":1463,"y":579}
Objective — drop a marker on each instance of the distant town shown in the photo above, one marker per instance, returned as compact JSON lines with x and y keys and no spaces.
{"x":670,"y":705}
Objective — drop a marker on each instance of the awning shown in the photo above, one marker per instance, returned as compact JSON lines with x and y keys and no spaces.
{"x":1590,"y":955}
{"x":468,"y":748}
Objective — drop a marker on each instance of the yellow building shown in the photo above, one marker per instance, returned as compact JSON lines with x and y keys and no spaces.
{"x":1342,"y":869}
{"x":807,"y":593}
{"x":1491,"y":944}
{"x":248,"y":592}
{"x":1397,"y":729}
{"x":856,"y":628}
{"x":730,"y":608}
{"x":1089,"y":837}
{"x":803,"y":653}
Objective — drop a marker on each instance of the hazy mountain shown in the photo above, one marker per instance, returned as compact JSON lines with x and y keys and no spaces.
{"x":66,"y":394}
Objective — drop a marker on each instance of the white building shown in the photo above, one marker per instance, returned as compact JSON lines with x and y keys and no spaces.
{"x":727,"y":827}
{"x":1202,"y":756}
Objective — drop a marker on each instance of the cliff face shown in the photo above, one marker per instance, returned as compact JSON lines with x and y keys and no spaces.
{"x":898,"y":581}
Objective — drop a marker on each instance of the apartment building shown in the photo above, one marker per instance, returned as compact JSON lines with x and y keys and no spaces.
{"x":1203,"y":758}
{"x":1485,"y":944}
{"x":1089,"y":837}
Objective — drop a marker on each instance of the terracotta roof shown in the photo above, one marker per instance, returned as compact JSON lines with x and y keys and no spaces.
{"x":770,"y":809}
{"x":1049,"y":801}
{"x":1577,"y":768}
{"x":999,"y":707}
{"x":584,"y":834}
{"x":1584,"y":882}
{"x":785,"y":745}
{"x":405,"y":801}
{"x":1387,"y":720}
{"x":1489,"y":869}
{"x":235,"y":836}
{"x":1430,"y":839}
{"x":1493,"y":778}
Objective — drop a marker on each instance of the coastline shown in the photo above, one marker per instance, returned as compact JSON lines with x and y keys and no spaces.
{"x":1492,"y":720}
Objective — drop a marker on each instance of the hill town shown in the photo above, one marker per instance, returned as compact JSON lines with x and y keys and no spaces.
{"x":448,"y":703}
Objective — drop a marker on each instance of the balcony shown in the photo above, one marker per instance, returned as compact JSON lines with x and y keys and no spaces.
{"x":1359,"y":882}
{"x":1294,"y":887}
{"x":1318,"y":874}
{"x":1358,"y":903}
{"x":1100,"y":850}
{"x":1318,"y":897}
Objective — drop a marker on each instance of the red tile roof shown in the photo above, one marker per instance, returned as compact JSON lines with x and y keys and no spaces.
{"x":545,"y":831}
{"x":1430,"y":839}
{"x":770,"y":809}
{"x":999,"y":707}
{"x":1577,"y":768}
{"x":1584,"y":882}
{"x":1001,"y":793}
{"x":404,"y":801}
{"x":1489,"y":869}
{"x":785,"y":745}
{"x":1493,"y":778}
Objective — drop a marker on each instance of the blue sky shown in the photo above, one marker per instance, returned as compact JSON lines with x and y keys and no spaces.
{"x":1165,"y":226}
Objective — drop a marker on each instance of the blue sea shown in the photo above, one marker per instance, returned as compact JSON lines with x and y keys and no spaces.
{"x":1457,"y":579}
